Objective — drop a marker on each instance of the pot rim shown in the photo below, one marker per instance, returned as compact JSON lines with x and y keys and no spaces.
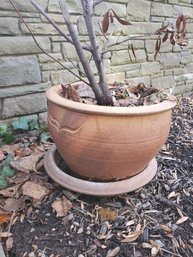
{"x":53,"y":95}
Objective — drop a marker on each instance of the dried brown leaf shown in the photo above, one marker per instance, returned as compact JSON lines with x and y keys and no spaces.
{"x":165,"y":228}
{"x":61,"y":206}
{"x":133,"y":236}
{"x":183,"y":19}
{"x":164,"y":39}
{"x":27,"y":164}
{"x":172,"y":194}
{"x":2,"y":156}
{"x":34,"y":190}
{"x":5,"y":234}
{"x":11,"y":191}
{"x":12,"y":204}
{"x":121,"y":21}
{"x":146,"y":245}
{"x":178,"y":23}
{"x":9,"y":243}
{"x":182,"y":220}
{"x":4,"y":218}
{"x":114,"y":252}
{"x":105,"y":22}
{"x":154,"y":251}
{"x":10,"y":149}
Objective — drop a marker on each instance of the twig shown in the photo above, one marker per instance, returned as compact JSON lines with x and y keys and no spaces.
{"x":174,"y":254}
{"x":167,"y":202}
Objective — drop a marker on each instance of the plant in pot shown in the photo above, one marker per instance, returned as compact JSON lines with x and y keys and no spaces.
{"x":108,"y":135}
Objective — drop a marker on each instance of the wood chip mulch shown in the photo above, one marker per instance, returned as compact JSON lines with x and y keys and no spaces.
{"x":156,"y":220}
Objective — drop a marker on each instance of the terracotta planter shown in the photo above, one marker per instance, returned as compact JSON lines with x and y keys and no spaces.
{"x":107,"y":143}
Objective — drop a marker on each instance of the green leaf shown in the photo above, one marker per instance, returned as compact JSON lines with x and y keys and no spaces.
{"x":3,"y":182}
{"x":34,"y":124}
{"x":44,"y":137}
{"x":8,"y":160}
{"x":3,"y":129}
{"x":7,"y":171}
{"x":8,"y":138}
{"x":22,"y":123}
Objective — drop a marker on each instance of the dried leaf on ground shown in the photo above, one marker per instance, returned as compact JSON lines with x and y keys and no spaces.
{"x":10,"y":149}
{"x":12,"y":204}
{"x":182,"y":220}
{"x":9,"y":243}
{"x":4,"y":218}
{"x":2,"y":155}
{"x":107,"y":214}
{"x":5,"y":234}
{"x":114,"y":252}
{"x":61,"y":206}
{"x":34,"y":190}
{"x":27,"y":164}
{"x":133,"y":236}
{"x":12,"y":191}
{"x":19,"y":178}
{"x":22,"y":151}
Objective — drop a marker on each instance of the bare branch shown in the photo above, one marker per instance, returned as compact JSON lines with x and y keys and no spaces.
{"x":96,"y":2}
{"x":52,"y":22}
{"x":51,"y":57}
{"x":97,"y":90}
{"x":88,"y":13}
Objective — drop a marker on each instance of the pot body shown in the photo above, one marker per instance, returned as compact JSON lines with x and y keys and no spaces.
{"x":107,"y":143}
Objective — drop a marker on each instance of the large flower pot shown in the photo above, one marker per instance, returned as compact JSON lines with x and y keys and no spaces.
{"x":104,"y":143}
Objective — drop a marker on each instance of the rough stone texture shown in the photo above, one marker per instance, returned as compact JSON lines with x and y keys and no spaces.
{"x":23,"y":5}
{"x":150,"y":68}
{"x":25,"y":72}
{"x":23,"y":45}
{"x":19,"y":70}
{"x":24,"y":90}
{"x":163,"y":82}
{"x":9,"y":26}
{"x":43,"y":120}
{"x":138,"y":10}
{"x":23,"y":105}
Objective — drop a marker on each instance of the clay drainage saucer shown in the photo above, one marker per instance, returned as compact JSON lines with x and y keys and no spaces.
{"x":96,"y":188}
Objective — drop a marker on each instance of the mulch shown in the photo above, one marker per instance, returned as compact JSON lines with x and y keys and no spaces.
{"x":156,"y":220}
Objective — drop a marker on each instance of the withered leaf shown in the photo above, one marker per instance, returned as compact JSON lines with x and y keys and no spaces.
{"x":157,"y":47}
{"x":11,"y":191}
{"x":121,"y":21}
{"x":105,"y":22}
{"x":4,"y":218}
{"x":34,"y":190}
{"x":164,"y":39}
{"x":133,"y":236}
{"x":9,"y":243}
{"x":27,"y":163}
{"x":114,"y":252}
{"x":70,"y":93}
{"x":12,"y":204}
{"x":61,"y":206}
{"x":178,"y":23}
{"x":5,"y":234}
{"x":182,"y":220}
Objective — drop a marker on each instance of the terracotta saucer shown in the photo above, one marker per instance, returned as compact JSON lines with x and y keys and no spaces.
{"x":96,"y":188}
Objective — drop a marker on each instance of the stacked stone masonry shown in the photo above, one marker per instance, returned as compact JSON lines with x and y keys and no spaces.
{"x":26,"y":72}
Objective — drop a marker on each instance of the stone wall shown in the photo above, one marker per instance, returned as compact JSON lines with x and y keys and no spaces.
{"x":26,"y":72}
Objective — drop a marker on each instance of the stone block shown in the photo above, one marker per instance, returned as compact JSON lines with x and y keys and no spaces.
{"x":138,"y":10}
{"x":56,"y":66}
{"x":23,"y":5}
{"x":24,"y":90}
{"x":42,"y":29}
{"x":43,"y":58}
{"x":42,"y":117}
{"x":23,"y":45}
{"x":188,"y":68}
{"x":119,"y":8}
{"x":22,"y":105}
{"x":137,"y":80}
{"x":170,"y":59}
{"x":132,"y":74}
{"x":116,"y":77}
{"x":181,"y":90}
{"x":125,"y":57}
{"x":150,"y":68}
{"x":125,"y":67}
{"x":56,"y":47}
{"x":163,"y":82}
{"x":46,"y":76}
{"x":179,"y":71}
{"x":73,"y":6}
{"x":62,"y":76}
{"x":150,"y":47}
{"x":9,"y":26}
{"x":164,"y":9}
{"x":19,"y":70}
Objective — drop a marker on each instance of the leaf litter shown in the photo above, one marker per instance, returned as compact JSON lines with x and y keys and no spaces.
{"x":156,"y":220}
